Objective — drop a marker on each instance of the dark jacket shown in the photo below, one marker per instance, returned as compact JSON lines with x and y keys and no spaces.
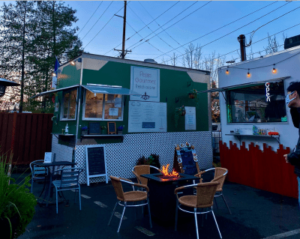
{"x":294,"y":157}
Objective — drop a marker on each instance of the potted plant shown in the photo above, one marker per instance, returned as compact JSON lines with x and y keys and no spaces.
{"x":16,"y":203}
{"x":103,"y":129}
{"x":179,"y":111}
{"x":84,"y":130}
{"x":120,"y":129}
{"x":193,"y":94}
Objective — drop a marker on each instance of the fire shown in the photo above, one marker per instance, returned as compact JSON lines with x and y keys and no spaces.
{"x":166,"y":173}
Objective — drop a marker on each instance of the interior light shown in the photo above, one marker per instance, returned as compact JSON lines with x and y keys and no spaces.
{"x":248,"y":73}
{"x":227,"y":71}
{"x":274,"y":71}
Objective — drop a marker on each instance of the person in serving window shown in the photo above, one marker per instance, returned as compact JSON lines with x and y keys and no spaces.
{"x":293,"y":102}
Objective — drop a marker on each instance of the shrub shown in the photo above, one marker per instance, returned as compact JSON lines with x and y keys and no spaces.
{"x":15,"y":200}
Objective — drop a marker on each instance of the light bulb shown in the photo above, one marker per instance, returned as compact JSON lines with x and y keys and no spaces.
{"x":72,"y":63}
{"x":53,"y":74}
{"x":274,"y":71}
{"x":248,"y":74}
{"x":227,"y":72}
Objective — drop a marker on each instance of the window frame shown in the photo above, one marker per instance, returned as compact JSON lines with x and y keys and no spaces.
{"x":62,"y":106}
{"x":103,"y":109}
{"x":227,"y":96}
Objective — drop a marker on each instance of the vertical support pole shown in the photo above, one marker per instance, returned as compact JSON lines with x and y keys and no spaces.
{"x":242,"y":41}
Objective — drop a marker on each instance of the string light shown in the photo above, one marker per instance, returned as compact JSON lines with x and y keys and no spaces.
{"x":274,"y":71}
{"x":53,"y":74}
{"x":73,"y":63}
{"x":227,"y":71}
{"x":248,"y":74}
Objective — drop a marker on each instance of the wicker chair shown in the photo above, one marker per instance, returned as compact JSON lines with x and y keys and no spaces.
{"x":129,"y":199}
{"x":220,"y":175}
{"x":202,"y":202}
{"x":143,"y":169}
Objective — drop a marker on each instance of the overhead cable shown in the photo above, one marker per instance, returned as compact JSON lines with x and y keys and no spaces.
{"x":90,"y":18}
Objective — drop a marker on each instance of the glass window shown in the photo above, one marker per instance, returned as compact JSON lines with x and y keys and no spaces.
{"x":113,"y":107}
{"x":103,"y":106}
{"x":93,"y":105}
{"x":69,"y":104}
{"x":251,"y":104}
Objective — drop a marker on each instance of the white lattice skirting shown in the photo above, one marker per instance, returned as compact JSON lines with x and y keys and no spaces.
{"x":122,"y":157}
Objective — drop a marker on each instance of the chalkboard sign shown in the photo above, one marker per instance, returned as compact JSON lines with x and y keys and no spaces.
{"x":111,"y":128}
{"x":94,"y":128}
{"x":95,"y":162}
{"x":188,"y":163}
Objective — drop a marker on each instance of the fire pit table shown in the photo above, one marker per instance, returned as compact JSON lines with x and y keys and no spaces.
{"x":161,"y":195}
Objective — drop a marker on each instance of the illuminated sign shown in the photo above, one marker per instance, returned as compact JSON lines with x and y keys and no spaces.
{"x":268,"y":96}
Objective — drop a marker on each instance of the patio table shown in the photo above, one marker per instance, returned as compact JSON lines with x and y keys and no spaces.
{"x":162,"y":198}
{"x":47,"y":194}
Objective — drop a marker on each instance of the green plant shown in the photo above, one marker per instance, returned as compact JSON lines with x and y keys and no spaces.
{"x":153,"y":160}
{"x":15,"y":200}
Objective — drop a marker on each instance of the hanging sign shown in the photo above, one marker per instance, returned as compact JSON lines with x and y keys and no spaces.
{"x":146,"y":82}
{"x":268,"y":96}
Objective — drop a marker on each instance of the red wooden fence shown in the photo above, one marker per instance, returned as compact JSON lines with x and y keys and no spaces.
{"x":27,"y":136}
{"x":262,"y":169}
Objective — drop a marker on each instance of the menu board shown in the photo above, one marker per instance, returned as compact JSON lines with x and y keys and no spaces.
{"x":95,"y":162}
{"x":190,"y":118}
{"x":147,"y":117}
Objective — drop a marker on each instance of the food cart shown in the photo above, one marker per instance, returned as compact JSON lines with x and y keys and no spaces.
{"x":110,"y":111}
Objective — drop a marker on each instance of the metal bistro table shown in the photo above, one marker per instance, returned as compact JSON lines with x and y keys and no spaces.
{"x":48,"y":194}
{"x":162,"y":198}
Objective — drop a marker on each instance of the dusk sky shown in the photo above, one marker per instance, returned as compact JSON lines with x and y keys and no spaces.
{"x":101,"y":31}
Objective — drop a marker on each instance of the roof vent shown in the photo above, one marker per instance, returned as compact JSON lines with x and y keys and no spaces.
{"x":150,"y":61}
{"x":291,"y":42}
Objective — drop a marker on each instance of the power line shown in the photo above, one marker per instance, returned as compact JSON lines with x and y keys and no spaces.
{"x":219,"y":28}
{"x":103,"y":27}
{"x":247,"y":25}
{"x":167,"y":23}
{"x":97,"y":20}
{"x":151,"y":31}
{"x":144,"y":26}
{"x":158,"y":23}
{"x":90,"y":18}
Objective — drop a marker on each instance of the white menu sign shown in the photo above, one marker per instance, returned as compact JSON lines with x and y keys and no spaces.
{"x":190,"y":118}
{"x":147,"y":117}
{"x":146,"y":82}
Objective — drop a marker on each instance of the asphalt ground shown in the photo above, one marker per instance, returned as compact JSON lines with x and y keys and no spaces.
{"x":255,"y":214}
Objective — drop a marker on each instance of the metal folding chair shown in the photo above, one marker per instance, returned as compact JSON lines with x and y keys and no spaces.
{"x":69,"y":181}
{"x":37,"y":172}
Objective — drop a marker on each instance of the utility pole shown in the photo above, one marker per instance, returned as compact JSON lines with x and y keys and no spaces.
{"x":124,"y":30}
{"x":123,"y":51}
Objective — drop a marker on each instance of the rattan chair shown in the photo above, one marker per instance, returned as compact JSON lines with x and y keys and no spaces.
{"x":129,"y":199}
{"x":143,"y":169}
{"x":202,"y":202}
{"x":220,"y":175}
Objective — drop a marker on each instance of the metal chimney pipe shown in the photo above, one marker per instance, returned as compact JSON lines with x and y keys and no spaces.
{"x":242,"y":41}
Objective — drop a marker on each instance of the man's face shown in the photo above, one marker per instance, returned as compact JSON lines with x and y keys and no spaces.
{"x":294,"y":97}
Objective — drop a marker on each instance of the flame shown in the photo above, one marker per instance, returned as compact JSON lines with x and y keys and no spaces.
{"x":165,"y":172}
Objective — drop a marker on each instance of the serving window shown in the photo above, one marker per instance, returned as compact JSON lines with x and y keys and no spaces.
{"x":102,"y":106}
{"x":69,"y":105}
{"x":253,"y":105}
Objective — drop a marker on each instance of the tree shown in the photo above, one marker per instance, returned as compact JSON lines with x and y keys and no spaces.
{"x":273,"y":45}
{"x":17,"y":31}
{"x":43,"y":30}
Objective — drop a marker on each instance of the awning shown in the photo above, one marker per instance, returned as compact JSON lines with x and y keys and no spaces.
{"x":49,"y":92}
{"x":104,"y":89}
{"x":114,"y":90}
{"x":8,"y":82}
{"x":233,"y":87}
